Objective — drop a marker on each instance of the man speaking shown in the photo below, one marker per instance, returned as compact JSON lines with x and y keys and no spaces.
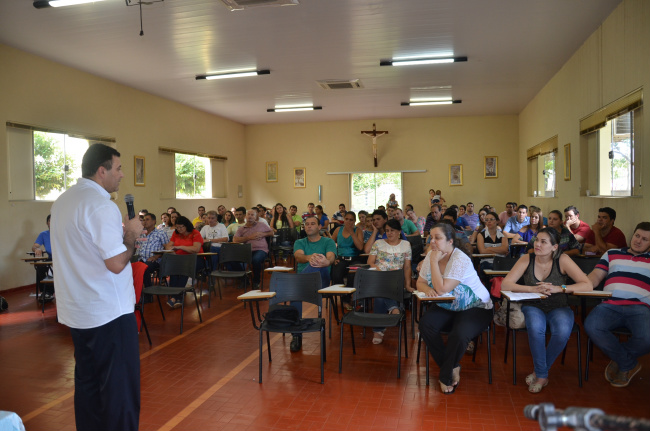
{"x":95,"y":295}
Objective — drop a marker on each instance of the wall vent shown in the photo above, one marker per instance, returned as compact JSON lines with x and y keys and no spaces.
{"x":247,"y":4}
{"x":340,"y":84}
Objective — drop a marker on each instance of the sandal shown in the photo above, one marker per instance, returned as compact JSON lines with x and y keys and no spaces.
{"x":530,"y":379}
{"x":536,"y":388}
{"x":446,"y":390}
{"x":470,"y":348}
{"x":455,"y":376}
{"x":378,"y":338}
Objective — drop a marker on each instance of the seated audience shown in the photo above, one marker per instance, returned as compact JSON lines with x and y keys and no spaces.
{"x":368,"y":229}
{"x":314,"y":253}
{"x":280,"y":218}
{"x":491,"y":241}
{"x":379,"y":219}
{"x":349,"y":242}
{"x":150,"y":240}
{"x":215,"y":234}
{"x":295,"y":218}
{"x":408,"y":227}
{"x":221,"y":212}
{"x":390,"y":254}
{"x":240,"y":220}
{"x":529,"y":232}
{"x":263,"y":216}
{"x":390,"y":212}
{"x":433,"y":218}
{"x":255,"y":232}
{"x":171,"y":228}
{"x":448,"y":270}
{"x":339,"y":216}
{"x":164,"y":218}
{"x":568,"y":243}
{"x":197,"y":220}
{"x":578,"y":228}
{"x":516,"y":222}
{"x":184,"y":240}
{"x":323,"y":221}
{"x":480,"y":226}
{"x":470,"y":216}
{"x":228,"y":219}
{"x":505,"y":215}
{"x":541,"y":214}
{"x":604,"y":235}
{"x":362,"y":219}
{"x":170,"y":210}
{"x":310,"y":211}
{"x":545,"y":271}
{"x":204,"y":220}
{"x":418,"y":221}
{"x":627,"y":275}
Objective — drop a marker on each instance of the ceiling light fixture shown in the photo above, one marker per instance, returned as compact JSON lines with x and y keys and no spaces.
{"x":431,"y":102}
{"x":40,"y":4}
{"x":240,"y":74}
{"x":295,"y":108}
{"x":416,"y":61}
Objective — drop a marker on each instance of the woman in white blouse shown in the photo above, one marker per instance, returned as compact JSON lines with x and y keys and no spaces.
{"x":447,"y":270}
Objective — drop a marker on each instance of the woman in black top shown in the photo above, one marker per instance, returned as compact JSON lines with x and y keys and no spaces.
{"x":545,"y":271}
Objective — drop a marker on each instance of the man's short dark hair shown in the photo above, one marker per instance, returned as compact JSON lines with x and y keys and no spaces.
{"x":153,"y":216}
{"x":256,"y":209}
{"x":171,"y":208}
{"x":438,"y":206}
{"x":522,"y":206}
{"x":97,"y":155}
{"x":310,"y":203}
{"x":363,"y":212}
{"x":611,"y":212}
{"x":341,"y":205}
{"x":241,"y":209}
{"x":144,"y":210}
{"x":470,"y":203}
{"x":381,"y":213}
{"x":293,"y":206}
{"x":463,"y":207}
{"x":452,"y":213}
{"x":201,"y":206}
{"x":314,"y":217}
{"x":644,"y":225}
{"x":48,"y":218}
{"x":381,"y":207}
{"x":572,"y":208}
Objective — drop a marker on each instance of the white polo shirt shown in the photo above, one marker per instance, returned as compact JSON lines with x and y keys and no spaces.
{"x":214,"y":232}
{"x":86,"y":229}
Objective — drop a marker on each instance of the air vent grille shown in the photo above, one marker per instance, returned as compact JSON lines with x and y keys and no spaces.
{"x":247,"y":4}
{"x":340,"y":85}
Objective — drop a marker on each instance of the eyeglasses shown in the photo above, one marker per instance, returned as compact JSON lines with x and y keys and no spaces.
{"x":490,"y":219}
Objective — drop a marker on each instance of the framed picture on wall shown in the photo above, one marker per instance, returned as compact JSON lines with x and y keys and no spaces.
{"x":138,"y":176}
{"x":299,"y":180}
{"x":567,"y":162}
{"x":271,"y":172}
{"x":491,"y":167}
{"x":455,"y":175}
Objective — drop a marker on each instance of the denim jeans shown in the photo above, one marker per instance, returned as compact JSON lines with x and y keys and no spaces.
{"x":324,"y":281}
{"x":606,"y":317}
{"x":383,"y":306}
{"x":258,"y":261}
{"x":560,"y":322}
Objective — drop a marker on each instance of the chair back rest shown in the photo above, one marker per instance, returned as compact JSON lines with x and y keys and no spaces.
{"x":235,"y":253}
{"x":296,"y":287}
{"x":504,"y":263}
{"x":286,"y":234}
{"x":417,"y":248}
{"x":379,"y":284}
{"x":178,"y":264}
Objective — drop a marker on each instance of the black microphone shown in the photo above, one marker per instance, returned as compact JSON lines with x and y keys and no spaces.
{"x":129,"y":205}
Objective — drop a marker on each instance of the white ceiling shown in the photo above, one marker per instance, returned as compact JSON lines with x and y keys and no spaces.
{"x":513,"y":47}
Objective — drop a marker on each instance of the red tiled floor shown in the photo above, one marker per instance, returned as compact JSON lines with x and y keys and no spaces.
{"x":207,"y":379}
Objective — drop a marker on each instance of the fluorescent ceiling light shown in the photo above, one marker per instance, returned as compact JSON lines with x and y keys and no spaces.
{"x":294,"y":108}
{"x":241,"y":74}
{"x":431,"y":102}
{"x":416,"y":61}
{"x":39,"y":4}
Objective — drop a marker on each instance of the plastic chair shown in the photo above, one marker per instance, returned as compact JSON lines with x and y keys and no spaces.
{"x":284,"y":235}
{"x":377,"y":284}
{"x":181,"y":265}
{"x":233,"y":254}
{"x":296,"y":287}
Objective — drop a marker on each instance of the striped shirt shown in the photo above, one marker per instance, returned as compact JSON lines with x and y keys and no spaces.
{"x":628,"y":276}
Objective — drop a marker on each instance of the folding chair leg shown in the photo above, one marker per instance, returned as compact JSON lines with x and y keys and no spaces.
{"x":322,"y":355}
{"x":160,"y":306}
{"x":406,"y":350}
{"x":417,"y":357}
{"x":399,"y":349}
{"x":354,"y":350}
{"x":489,"y":349}
{"x":426,"y":359}
{"x":182,"y":311}
{"x":197,"y":306}
{"x":268,"y":345}
{"x":144,"y":324}
{"x":589,"y":347}
{"x":579,"y":360}
{"x":341,"y":350}
{"x":514,"y":357}
{"x":260,"y":355}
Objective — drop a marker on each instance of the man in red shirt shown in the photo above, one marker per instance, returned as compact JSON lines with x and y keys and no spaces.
{"x":604,"y":235}
{"x":572,"y":221}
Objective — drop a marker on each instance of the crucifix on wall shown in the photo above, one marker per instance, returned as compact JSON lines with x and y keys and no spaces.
{"x":374,"y":134}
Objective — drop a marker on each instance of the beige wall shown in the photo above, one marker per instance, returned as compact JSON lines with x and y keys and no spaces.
{"x":429,"y":144}
{"x":39,"y":92}
{"x":612,"y":62}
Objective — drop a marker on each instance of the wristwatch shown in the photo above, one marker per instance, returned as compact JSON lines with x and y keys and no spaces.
{"x":564,"y":288}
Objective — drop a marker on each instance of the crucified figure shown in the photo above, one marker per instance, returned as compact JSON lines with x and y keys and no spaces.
{"x":374,"y":134}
